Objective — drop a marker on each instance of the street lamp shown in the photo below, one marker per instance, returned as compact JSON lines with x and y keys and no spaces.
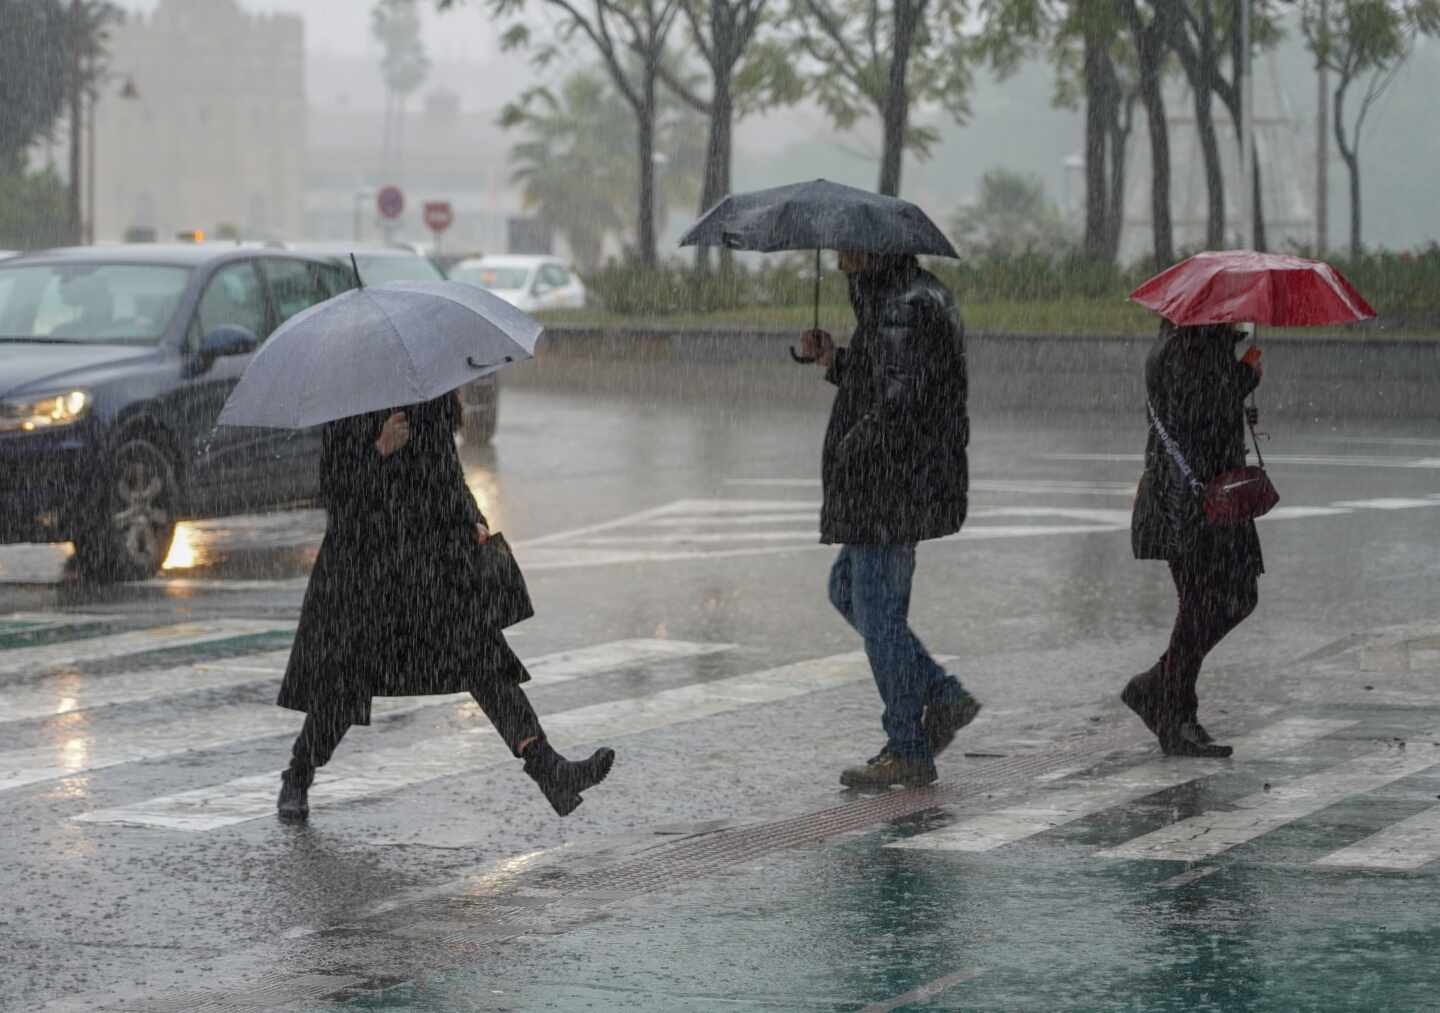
{"x":130,"y":93}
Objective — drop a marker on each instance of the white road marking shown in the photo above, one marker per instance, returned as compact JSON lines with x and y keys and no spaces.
{"x":1295,"y":513}
{"x":1074,"y":801}
{"x":69,"y":693}
{"x":1318,"y":459}
{"x":1394,"y":503}
{"x":1210,"y":834}
{"x":362,"y":773}
{"x":96,"y":748}
{"x":29,"y":622}
{"x":72,"y":652}
{"x":1032,"y":486}
{"x":1409,"y":844}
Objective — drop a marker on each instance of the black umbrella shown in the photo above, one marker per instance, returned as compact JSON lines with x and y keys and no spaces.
{"x":818,"y":215}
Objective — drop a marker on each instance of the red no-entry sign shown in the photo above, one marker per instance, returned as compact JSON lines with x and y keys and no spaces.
{"x":390,"y":202}
{"x":439,"y":215}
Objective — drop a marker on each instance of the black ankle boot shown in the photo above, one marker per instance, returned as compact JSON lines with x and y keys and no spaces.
{"x":293,"y":803}
{"x":563,"y":780}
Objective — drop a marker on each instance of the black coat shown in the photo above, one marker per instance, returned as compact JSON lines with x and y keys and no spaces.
{"x":1198,"y":389}
{"x":894,"y":467}
{"x":392,"y":604}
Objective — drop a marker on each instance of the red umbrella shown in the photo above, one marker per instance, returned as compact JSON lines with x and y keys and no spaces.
{"x":1241,"y":286}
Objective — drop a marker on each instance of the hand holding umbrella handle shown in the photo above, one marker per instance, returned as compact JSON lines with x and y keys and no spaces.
{"x":804,"y":359}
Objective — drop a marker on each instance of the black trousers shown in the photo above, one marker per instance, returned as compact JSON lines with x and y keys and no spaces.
{"x":502,"y":700}
{"x":1213,"y":601}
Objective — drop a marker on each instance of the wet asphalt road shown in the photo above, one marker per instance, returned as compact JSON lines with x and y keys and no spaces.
{"x":670,"y":548}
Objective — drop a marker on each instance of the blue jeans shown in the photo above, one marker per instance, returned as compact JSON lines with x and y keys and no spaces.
{"x":870,"y":587}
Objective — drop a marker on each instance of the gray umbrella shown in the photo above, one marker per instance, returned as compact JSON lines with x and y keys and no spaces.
{"x":374,"y":348}
{"x":819,"y":215}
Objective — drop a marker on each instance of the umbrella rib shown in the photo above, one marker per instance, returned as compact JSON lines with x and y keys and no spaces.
{"x":414,"y":369}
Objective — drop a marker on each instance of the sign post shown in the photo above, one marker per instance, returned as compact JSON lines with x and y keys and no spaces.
{"x":439,"y":216}
{"x":390,"y":202}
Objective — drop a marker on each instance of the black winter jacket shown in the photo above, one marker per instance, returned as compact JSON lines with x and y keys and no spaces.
{"x":1198,"y":389}
{"x":894,"y":467}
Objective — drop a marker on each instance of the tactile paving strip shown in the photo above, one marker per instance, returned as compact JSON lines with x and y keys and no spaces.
{"x":441,"y":931}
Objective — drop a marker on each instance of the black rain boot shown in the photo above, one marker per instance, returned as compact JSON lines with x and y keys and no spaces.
{"x":1185,"y":739}
{"x":293,"y":803}
{"x":1142,"y":696}
{"x":563,"y":780}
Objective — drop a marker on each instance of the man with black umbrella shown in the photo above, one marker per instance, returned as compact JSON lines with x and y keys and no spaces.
{"x":895,"y":473}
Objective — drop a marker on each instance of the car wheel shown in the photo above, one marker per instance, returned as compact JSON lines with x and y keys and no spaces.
{"x":135,"y":525}
{"x":480,"y":420}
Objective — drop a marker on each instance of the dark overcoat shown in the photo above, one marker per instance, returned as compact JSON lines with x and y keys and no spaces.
{"x":1198,"y":390}
{"x":393,"y":603}
{"x":894,"y":467}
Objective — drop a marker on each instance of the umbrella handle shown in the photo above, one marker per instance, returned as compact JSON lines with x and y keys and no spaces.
{"x":806,"y":359}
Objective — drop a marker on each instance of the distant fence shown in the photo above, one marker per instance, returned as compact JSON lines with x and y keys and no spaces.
{"x":1317,"y":376}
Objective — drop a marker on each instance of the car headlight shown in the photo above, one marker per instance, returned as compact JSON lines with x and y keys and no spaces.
{"x":49,"y":412}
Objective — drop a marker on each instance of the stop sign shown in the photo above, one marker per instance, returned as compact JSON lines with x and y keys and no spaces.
{"x":439,"y":215}
{"x":390,"y":202}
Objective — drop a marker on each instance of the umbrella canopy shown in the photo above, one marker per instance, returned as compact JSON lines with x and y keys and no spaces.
{"x":1241,"y":286}
{"x":819,"y":215}
{"x":375,"y":348}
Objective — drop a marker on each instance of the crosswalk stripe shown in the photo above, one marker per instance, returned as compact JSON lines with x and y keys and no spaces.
{"x":135,"y":642}
{"x":1387,"y":503}
{"x":99,"y":748}
{"x":1358,"y":461}
{"x":1409,"y":844}
{"x":364,"y":773}
{"x":1070,"y":802}
{"x":1210,"y":834}
{"x":69,"y":693}
{"x":28,"y":622}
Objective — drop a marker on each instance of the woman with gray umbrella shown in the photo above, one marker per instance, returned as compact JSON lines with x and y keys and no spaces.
{"x":395,"y":603}
{"x":409,"y":593}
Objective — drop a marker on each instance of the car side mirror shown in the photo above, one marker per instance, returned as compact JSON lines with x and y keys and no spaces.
{"x":227,"y":339}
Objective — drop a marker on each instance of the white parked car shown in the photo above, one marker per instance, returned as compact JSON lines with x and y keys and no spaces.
{"x":529,"y":282}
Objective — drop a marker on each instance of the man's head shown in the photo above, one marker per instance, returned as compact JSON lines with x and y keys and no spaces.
{"x":854,"y":261}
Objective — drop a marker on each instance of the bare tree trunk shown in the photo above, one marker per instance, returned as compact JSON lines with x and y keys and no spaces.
{"x":718,"y":145}
{"x":1350,"y":154}
{"x":1100,"y":109}
{"x":1258,"y":206}
{"x":1119,"y":158}
{"x":1214,"y":175}
{"x":645,"y":228}
{"x":1162,"y":231}
{"x":895,"y":116}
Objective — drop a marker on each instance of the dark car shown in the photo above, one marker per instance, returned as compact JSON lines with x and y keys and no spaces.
{"x":114,"y":364}
{"x":379,"y":264}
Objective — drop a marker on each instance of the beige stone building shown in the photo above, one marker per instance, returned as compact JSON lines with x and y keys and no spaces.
{"x":216,"y":131}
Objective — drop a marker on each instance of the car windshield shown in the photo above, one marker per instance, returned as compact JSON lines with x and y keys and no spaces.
{"x":378,"y":270}
{"x":491,"y":276}
{"x":122,"y":303}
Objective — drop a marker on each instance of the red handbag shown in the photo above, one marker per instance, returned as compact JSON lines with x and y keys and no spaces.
{"x":1231,"y":497}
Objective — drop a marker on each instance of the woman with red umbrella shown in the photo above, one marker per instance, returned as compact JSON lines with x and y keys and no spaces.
{"x":1197,"y":500}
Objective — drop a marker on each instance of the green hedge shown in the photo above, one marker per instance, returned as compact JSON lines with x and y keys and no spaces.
{"x":1403,"y":287}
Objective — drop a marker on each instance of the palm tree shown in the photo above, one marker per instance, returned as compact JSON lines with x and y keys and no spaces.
{"x":576,"y":166}
{"x":404,"y":66}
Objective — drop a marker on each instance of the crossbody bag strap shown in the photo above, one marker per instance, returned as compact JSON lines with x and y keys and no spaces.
{"x":1173,"y":449}
{"x":1254,"y":437}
